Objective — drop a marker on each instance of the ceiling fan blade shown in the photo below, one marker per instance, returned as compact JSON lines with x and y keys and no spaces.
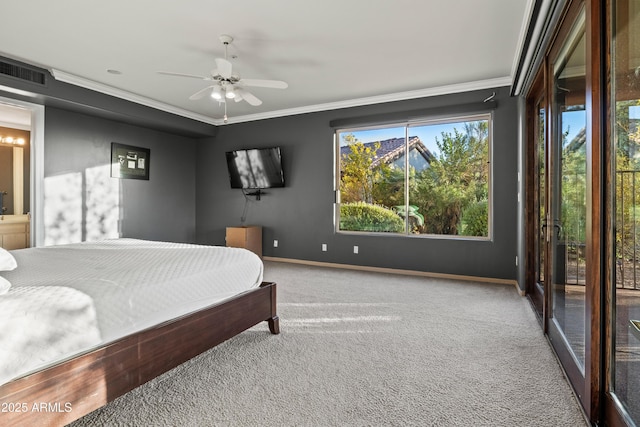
{"x":249,"y":97}
{"x":224,"y":67}
{"x":201,"y":93}
{"x":192,"y":76}
{"x":273,"y":84}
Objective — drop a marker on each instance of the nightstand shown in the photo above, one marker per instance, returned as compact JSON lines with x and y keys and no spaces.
{"x":249,"y":237}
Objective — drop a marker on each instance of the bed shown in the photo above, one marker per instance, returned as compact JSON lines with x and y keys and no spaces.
{"x":84,"y":323}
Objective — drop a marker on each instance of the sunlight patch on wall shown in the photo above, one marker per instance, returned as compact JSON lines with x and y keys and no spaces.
{"x":81,"y":206}
{"x":63,"y":209}
{"x":102,"y":203}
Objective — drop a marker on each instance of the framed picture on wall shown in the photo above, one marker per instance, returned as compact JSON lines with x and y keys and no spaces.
{"x":129,"y":162}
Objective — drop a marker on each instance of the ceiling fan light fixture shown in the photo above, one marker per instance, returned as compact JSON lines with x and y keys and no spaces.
{"x":216,"y":93}
{"x":229,"y":93}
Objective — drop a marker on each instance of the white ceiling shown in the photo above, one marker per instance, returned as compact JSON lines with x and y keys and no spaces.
{"x":332,"y":53}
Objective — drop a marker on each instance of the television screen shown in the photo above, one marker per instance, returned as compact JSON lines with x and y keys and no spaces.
{"x":255,"y":168}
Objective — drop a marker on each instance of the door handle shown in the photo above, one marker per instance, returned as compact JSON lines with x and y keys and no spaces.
{"x":558,"y":229}
{"x":556,"y":226}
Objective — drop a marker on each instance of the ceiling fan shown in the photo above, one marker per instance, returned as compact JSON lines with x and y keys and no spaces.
{"x":228,"y":85}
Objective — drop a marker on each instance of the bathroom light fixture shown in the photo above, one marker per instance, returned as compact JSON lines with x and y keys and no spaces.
{"x":11,"y":140}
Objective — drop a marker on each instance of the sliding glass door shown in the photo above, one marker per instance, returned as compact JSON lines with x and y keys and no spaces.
{"x":624,"y":288}
{"x":583,"y":222}
{"x":562,"y":269}
{"x":567,"y":216}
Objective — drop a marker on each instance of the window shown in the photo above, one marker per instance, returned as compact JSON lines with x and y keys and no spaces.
{"x":427,"y":178}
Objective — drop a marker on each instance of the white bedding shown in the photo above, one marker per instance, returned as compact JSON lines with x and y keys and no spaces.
{"x":70,"y":298}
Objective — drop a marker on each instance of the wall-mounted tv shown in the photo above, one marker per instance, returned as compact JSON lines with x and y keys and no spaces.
{"x":255,"y":168}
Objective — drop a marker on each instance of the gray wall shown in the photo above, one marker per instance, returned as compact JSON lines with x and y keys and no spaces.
{"x":183,"y":203}
{"x":79,"y":145}
{"x":80,"y":125}
{"x":300,"y":216}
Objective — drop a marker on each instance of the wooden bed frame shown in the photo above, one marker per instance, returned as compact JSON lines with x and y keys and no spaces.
{"x":71,"y":389}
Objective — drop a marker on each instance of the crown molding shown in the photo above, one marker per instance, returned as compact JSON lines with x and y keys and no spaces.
{"x":129,"y":96}
{"x":399,"y":96}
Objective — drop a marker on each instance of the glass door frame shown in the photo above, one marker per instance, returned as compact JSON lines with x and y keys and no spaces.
{"x":536,"y":289}
{"x":586,"y":383}
{"x":557,"y":55}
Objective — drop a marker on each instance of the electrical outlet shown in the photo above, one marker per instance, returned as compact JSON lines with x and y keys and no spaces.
{"x":355,"y":249}
{"x":275,"y":243}
{"x":324,"y":247}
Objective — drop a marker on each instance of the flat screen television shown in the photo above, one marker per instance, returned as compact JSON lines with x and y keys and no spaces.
{"x":255,"y":168}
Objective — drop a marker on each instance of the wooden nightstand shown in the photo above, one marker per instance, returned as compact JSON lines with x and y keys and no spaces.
{"x":249,"y":237}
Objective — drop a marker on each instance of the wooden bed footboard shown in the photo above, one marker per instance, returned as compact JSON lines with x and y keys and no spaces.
{"x":64,"y":392}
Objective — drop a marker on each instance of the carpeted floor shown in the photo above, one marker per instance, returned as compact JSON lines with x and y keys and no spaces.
{"x":367,"y":349}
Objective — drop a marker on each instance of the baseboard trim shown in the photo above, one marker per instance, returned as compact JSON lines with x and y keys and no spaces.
{"x":398,"y":271}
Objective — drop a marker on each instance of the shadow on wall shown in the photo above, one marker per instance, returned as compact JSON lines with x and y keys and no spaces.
{"x":81,"y":206}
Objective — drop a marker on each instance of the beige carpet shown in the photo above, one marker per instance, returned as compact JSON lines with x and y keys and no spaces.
{"x":367,"y":349}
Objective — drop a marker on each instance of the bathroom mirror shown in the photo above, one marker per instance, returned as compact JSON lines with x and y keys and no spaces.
{"x":14,"y":171}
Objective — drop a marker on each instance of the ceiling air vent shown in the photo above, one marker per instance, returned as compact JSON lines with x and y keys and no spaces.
{"x":22,"y":73}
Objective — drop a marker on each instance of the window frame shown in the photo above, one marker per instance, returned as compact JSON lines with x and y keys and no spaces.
{"x":407,"y":125}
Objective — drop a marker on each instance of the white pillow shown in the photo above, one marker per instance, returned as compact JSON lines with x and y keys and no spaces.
{"x":7,"y":261}
{"x":4,"y":285}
